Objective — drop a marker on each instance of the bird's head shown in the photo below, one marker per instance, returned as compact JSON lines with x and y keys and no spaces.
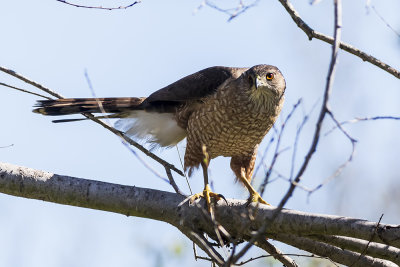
{"x":265,"y":82}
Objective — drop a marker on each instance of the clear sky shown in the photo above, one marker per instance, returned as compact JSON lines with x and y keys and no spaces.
{"x":136,"y":51}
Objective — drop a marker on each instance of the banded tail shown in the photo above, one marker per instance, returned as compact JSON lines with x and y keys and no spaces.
{"x":69,"y":106}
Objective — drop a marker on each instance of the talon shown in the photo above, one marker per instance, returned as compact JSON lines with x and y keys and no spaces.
{"x":255,"y":197}
{"x":207,"y":194}
{"x":194,"y":197}
{"x":222,"y":196}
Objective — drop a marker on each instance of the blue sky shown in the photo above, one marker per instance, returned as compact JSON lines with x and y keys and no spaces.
{"x":136,"y":51}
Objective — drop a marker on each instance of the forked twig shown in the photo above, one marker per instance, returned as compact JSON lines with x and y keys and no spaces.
{"x":99,"y":7}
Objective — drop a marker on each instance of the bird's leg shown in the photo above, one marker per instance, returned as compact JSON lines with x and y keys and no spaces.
{"x":254,"y":195}
{"x":207,"y":193}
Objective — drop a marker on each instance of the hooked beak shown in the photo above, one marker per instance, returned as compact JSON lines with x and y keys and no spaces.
{"x":259,"y":82}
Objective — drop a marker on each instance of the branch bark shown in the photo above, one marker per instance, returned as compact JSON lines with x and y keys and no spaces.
{"x":235,"y":216}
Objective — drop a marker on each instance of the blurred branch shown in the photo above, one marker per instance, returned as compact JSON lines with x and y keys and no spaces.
{"x":289,"y":226}
{"x":346,"y":47}
{"x":276,"y":253}
{"x":374,"y":249}
{"x":383,"y":19}
{"x":99,"y":7}
{"x":232,"y":12}
{"x":90,"y":116}
{"x":339,"y":255}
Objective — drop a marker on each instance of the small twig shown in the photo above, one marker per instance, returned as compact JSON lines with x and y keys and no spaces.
{"x":384,"y":21}
{"x":135,"y":144}
{"x":180,"y":160}
{"x":339,"y":170}
{"x":172,"y":181}
{"x":346,"y":47}
{"x":232,"y":12}
{"x":369,"y":241}
{"x":99,"y":7}
{"x":275,"y":252}
{"x":37,"y":85}
{"x":355,"y":120}
{"x":24,"y":91}
{"x":202,"y":243}
{"x":277,"y":153}
{"x":7,"y":146}
{"x":298,"y":132}
{"x":286,"y":254}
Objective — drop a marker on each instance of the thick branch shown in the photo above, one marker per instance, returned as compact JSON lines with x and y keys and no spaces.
{"x":175,"y":209}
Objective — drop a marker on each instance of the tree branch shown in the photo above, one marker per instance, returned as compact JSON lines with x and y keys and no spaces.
{"x":339,"y":255}
{"x":374,"y":249}
{"x":311,"y":33}
{"x":188,"y":218}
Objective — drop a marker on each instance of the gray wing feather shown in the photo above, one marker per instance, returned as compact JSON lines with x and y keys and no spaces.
{"x":195,"y":86}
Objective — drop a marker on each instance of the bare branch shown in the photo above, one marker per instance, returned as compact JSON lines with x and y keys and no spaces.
{"x":24,"y":91}
{"x":37,"y":85}
{"x":355,"y":120}
{"x":172,"y":181}
{"x":277,"y":153}
{"x":275,"y":252}
{"x":346,"y":47}
{"x":336,"y":254}
{"x":375,"y":250}
{"x":203,"y":244}
{"x":99,"y":7}
{"x":384,"y":21}
{"x":324,"y":107}
{"x":175,"y":210}
{"x":232,"y":12}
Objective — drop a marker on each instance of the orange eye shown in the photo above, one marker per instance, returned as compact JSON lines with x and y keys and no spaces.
{"x":270,"y":76}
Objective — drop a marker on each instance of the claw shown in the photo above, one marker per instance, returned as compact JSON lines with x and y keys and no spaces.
{"x":222,"y":196}
{"x":255,"y":197}
{"x":207,"y":194}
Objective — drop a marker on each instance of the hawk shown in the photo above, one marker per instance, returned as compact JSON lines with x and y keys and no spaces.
{"x":222,"y":111}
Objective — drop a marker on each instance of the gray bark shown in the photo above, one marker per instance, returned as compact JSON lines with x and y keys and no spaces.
{"x":236,"y":217}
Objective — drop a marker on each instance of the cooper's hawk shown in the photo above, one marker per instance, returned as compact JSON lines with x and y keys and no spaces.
{"x":225,"y":110}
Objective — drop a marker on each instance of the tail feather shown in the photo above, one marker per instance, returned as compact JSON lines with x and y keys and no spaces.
{"x":69,"y":106}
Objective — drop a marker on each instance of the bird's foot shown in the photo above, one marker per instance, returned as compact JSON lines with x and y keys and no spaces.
{"x":207,"y":194}
{"x":255,"y":197}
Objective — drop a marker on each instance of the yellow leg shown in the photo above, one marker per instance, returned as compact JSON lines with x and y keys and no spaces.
{"x":254,"y":196}
{"x":207,"y":194}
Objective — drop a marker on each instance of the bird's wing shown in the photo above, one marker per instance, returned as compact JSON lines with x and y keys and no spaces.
{"x":195,"y":86}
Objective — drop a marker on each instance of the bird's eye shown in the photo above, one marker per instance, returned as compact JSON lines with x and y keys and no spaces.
{"x":270,"y":76}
